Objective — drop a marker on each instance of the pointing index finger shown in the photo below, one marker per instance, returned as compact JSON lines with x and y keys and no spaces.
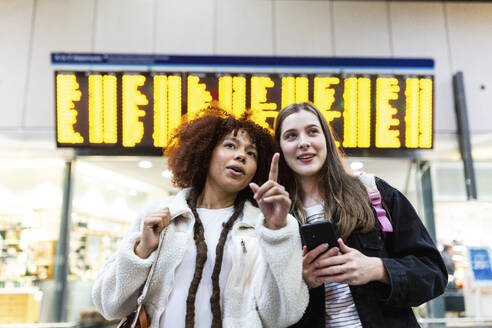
{"x":274,"y":167}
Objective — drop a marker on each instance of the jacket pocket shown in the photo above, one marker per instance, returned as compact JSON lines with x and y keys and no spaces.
{"x":371,"y":242}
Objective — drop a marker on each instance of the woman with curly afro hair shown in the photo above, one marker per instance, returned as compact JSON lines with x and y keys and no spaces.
{"x":231,"y":254}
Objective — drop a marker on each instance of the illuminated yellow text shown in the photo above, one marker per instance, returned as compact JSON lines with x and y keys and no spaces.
{"x":133,"y":128}
{"x":102,"y":109}
{"x":262,"y":110}
{"x":357,"y":113}
{"x":232,"y":94}
{"x":67,"y":92}
{"x":167,"y":108}
{"x":294,"y":90}
{"x":386,"y":124}
{"x":198,"y":96}
{"x":418,"y":115}
{"x":324,"y":96}
{"x":144,"y":110}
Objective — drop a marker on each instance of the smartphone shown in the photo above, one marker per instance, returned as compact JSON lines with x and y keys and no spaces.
{"x":319,"y":232}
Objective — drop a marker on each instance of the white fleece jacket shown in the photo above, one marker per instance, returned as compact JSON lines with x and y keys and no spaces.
{"x":264,"y":289}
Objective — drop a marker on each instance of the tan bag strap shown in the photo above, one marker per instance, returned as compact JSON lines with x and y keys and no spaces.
{"x":143,"y":294}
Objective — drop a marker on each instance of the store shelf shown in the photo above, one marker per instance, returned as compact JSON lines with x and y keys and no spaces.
{"x":20,"y":305}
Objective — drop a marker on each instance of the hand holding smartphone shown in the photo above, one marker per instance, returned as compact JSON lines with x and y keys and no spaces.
{"x":319,"y":232}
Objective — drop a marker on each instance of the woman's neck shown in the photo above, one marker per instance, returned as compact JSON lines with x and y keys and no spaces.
{"x":311,"y":194}
{"x":212,"y":198}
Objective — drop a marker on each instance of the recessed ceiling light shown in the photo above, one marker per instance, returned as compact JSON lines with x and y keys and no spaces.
{"x":356,"y":166}
{"x":168,"y":174}
{"x":145,"y":164}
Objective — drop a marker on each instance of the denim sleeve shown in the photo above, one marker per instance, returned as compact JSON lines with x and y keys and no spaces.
{"x":415,"y":268}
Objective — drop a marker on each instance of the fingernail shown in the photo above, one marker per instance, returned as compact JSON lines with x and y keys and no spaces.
{"x":325,"y":245}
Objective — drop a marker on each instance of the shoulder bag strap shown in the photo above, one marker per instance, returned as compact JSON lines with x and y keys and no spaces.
{"x":143,"y":294}
{"x":369,"y":181}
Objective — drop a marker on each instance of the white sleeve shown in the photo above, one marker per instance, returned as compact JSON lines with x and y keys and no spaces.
{"x":283,"y":296}
{"x":120,"y":280}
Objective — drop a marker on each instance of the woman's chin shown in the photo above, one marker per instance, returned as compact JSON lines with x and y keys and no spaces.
{"x":306,"y":172}
{"x":234,"y":187}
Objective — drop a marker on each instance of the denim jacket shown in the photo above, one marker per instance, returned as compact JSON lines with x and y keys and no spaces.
{"x":415,"y":269}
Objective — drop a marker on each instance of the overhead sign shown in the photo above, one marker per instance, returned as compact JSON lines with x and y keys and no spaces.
{"x":268,"y":62}
{"x":140,"y":110}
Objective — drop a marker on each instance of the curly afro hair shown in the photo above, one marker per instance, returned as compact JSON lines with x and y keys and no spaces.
{"x":191,"y":148}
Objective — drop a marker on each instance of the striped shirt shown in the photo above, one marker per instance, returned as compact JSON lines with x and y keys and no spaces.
{"x":340,"y":309}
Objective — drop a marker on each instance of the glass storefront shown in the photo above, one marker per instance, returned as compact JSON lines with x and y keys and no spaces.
{"x":461,"y":224}
{"x":107,"y":194}
{"x":30,"y":203}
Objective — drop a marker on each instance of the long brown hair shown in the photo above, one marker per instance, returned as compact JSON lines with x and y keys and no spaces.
{"x":345,"y":197}
{"x":201,"y":258}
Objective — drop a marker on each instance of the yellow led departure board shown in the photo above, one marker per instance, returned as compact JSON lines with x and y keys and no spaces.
{"x":139,"y":111}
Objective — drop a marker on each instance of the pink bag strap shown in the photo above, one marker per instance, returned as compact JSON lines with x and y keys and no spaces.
{"x":369,"y":182}
{"x":384,"y":222}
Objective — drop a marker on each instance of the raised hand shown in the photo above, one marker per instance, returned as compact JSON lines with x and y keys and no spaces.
{"x":153,"y":224}
{"x":273,"y":200}
{"x":350,"y":267}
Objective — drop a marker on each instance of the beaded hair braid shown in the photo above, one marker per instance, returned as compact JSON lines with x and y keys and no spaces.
{"x":201,"y":258}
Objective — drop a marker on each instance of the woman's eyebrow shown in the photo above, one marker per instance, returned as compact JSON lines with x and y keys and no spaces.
{"x":251,"y":146}
{"x":236,"y":140}
{"x":289,"y":130}
{"x":306,"y":127}
{"x":231,"y":139}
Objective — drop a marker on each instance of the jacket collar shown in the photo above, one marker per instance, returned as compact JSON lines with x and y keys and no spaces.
{"x":178,"y":206}
{"x":251,"y":214}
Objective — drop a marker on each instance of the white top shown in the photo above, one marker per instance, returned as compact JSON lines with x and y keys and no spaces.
{"x":340,"y":309}
{"x":175,"y":313}
{"x":271,"y":294}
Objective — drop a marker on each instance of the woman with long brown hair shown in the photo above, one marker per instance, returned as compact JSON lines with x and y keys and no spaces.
{"x":231,"y":254}
{"x":381,"y":266}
